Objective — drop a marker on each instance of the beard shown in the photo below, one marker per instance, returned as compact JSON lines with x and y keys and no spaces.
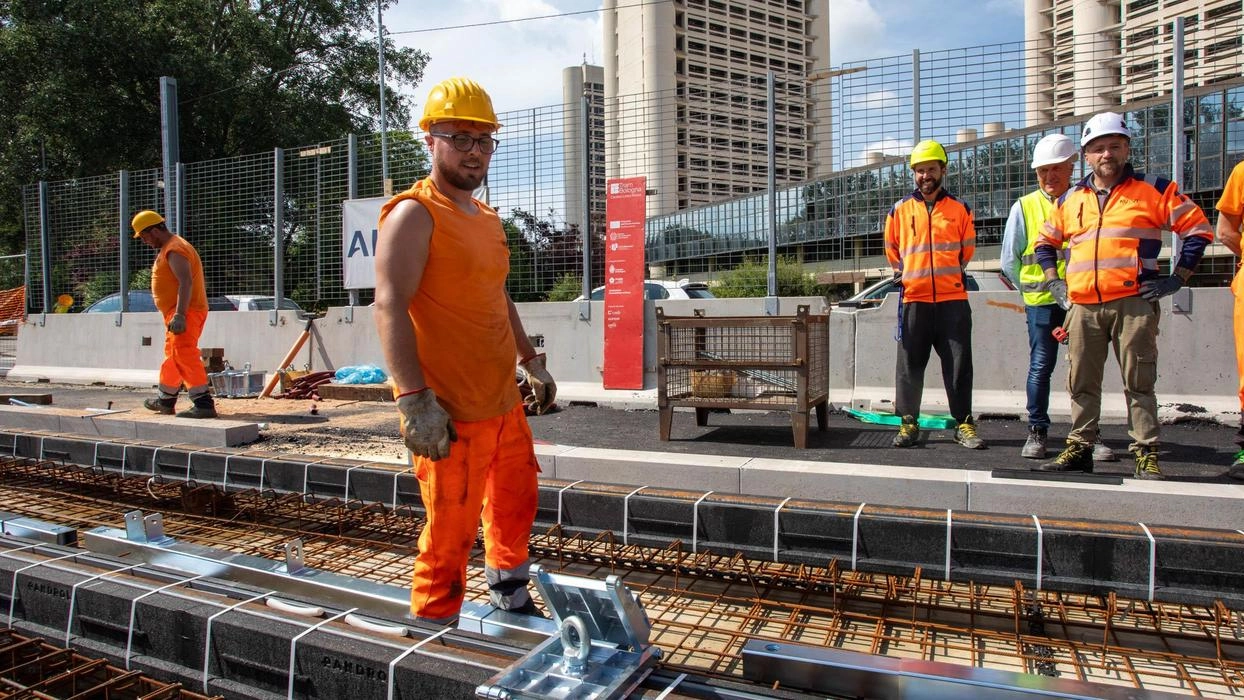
{"x":469,"y":181}
{"x":929,"y":185}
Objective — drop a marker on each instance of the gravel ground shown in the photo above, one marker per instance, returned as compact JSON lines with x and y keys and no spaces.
{"x":1192,"y":450}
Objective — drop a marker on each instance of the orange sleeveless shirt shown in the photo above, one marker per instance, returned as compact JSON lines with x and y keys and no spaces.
{"x":461,"y":315}
{"x":164,"y":282}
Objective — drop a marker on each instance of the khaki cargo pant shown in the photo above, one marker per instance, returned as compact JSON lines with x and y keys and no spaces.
{"x":1129,"y":326}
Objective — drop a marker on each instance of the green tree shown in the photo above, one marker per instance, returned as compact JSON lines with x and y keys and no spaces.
{"x":751,"y":279}
{"x":250,"y":76}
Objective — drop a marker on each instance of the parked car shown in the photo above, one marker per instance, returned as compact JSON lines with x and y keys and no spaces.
{"x":141,"y":300}
{"x":875,"y":294}
{"x":252,"y":302}
{"x":664,"y":289}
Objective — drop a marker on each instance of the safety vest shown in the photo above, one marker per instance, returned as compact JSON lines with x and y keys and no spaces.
{"x":1036,"y":208}
{"x":164,"y":284}
{"x":1114,"y":248}
{"x":930,"y":248}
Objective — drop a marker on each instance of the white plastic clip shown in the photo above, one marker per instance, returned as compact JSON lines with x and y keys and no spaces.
{"x":404,"y":654}
{"x":73,"y":595}
{"x":695,"y":523}
{"x":948,"y":521}
{"x":855,"y":534}
{"x":395,"y":478}
{"x":207,"y":641}
{"x":17,"y":572}
{"x":129,"y":637}
{"x":293,"y":645}
{"x":560,"y":491}
{"x":776,"y":529}
{"x":626,"y":512}
{"x":1153,"y":558}
{"x":670,"y":688}
{"x":1040,"y":549}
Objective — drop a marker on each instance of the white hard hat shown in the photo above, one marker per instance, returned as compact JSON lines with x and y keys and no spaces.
{"x":1104,"y":124}
{"x":1052,"y":150}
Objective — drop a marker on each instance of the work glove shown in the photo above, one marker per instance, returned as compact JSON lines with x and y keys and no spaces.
{"x":177,"y":324}
{"x":1155,"y":289}
{"x":543,"y":388}
{"x":427,"y":428}
{"x":1058,"y":288}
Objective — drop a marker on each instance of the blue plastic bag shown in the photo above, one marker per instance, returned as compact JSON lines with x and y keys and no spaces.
{"x":360,"y":374}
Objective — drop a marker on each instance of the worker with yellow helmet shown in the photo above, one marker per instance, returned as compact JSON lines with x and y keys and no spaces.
{"x":441,"y":267}
{"x":180,"y":294}
{"x":929,"y":239}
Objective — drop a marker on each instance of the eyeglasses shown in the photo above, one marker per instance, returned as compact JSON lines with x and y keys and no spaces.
{"x":465,"y":142}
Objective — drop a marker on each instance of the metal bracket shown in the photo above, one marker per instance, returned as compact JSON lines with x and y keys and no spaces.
{"x":274,"y":316}
{"x":347,"y":314}
{"x":585,"y":310}
{"x":149,"y":529}
{"x":601,"y":649}
{"x":1181,"y":301}
{"x":117,"y":320}
{"x":294,"y":559}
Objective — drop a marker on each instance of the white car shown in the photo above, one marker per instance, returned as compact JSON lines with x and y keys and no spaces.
{"x":876,"y":293}
{"x":253,"y":302}
{"x":664,"y":289}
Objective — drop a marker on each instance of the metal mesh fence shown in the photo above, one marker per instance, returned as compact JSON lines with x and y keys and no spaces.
{"x":704,"y":139}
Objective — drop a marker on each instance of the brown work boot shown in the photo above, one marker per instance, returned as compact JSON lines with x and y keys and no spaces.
{"x":161,"y":405}
{"x":204,"y":407}
{"x":1147,"y":464}
{"x":1075,"y":457}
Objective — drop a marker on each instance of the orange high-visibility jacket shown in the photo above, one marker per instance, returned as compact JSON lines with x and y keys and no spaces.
{"x":164,"y":284}
{"x":930,"y":248}
{"x":1115,"y":248}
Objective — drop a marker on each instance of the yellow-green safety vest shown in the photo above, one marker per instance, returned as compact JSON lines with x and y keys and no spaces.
{"x":1036,"y":208}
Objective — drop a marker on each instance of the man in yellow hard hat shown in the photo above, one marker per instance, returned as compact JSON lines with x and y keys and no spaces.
{"x":180,"y":294}
{"x":451,"y":336}
{"x":929,"y":239}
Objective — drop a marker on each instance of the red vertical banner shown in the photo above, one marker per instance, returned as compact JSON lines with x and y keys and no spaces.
{"x":625,"y":207}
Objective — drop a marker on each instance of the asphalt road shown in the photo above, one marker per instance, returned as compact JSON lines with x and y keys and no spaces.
{"x":1195,"y":451}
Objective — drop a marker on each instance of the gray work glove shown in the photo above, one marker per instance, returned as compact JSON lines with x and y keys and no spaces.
{"x":427,"y":428}
{"x":1058,"y":288}
{"x":543,"y":388}
{"x":177,"y":324}
{"x":1155,"y":289}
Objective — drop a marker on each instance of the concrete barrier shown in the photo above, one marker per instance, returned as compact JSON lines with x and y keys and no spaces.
{"x":1196,"y":360}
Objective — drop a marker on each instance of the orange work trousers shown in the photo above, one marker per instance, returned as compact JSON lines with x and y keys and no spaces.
{"x":490,"y":474}
{"x":182,"y":362}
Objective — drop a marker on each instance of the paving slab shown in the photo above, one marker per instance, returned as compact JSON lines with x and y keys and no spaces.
{"x":163,"y":429}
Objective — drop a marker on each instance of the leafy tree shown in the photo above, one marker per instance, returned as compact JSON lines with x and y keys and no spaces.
{"x":568,"y":288}
{"x":250,"y":76}
{"x":555,"y":251}
{"x":751,"y":279}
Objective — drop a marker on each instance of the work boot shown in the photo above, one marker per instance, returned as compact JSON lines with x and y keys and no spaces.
{"x":908,"y":432}
{"x":1034,"y":446}
{"x":1102,"y":453}
{"x":1147,"y":464}
{"x":1075,"y":457}
{"x":204,"y":407}
{"x":161,"y":405}
{"x":966,"y":435}
{"x":1237,"y":467}
{"x":529,"y":608}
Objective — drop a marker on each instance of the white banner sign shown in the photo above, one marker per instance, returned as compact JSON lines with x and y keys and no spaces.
{"x":358,"y":241}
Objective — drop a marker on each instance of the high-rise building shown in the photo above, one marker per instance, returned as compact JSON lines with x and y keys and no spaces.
{"x":579,"y":82}
{"x":1084,"y":57}
{"x":686,"y":95}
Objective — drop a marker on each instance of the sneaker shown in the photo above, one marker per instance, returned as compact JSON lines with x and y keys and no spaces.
{"x":162,"y":406}
{"x":1075,"y":457}
{"x":204,"y":407}
{"x":966,"y":435}
{"x":1147,"y":464}
{"x":1237,"y":467}
{"x":1102,"y":453}
{"x":1034,"y":446}
{"x":908,"y":432}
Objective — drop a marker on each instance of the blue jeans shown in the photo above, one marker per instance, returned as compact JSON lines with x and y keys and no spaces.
{"x":1042,"y":356}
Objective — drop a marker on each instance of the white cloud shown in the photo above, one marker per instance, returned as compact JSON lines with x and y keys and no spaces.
{"x":856,"y":32}
{"x":879,"y":99}
{"x":886,"y":147}
{"x":519,"y":63}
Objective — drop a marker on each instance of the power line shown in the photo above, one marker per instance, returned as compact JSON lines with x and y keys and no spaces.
{"x":558,"y":15}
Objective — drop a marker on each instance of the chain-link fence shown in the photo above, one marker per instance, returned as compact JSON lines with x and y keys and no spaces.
{"x":733,"y":154}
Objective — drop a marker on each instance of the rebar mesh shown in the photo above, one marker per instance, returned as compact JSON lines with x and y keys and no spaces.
{"x":700,"y":134}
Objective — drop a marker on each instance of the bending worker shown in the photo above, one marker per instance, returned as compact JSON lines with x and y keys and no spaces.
{"x":929,"y":239}
{"x":1053,"y":159}
{"x":1230,"y":220}
{"x":1113,"y":220}
{"x":451,"y":335}
{"x":180,"y":294}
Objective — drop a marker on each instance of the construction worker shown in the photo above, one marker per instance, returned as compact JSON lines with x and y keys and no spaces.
{"x":451,"y":336}
{"x":1230,"y":221}
{"x":929,"y":239}
{"x":1054,"y":160}
{"x":1113,"y":221}
{"x":180,"y":294}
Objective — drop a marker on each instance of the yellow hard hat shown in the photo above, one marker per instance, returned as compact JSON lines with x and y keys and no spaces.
{"x":926,"y":151}
{"x":144,"y":219}
{"x":458,"y":98}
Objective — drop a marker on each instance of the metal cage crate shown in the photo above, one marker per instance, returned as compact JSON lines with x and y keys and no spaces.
{"x":763,"y":362}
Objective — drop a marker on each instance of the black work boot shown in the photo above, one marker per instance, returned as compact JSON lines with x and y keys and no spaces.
{"x":1147,"y":464}
{"x":1075,"y":457}
{"x":204,"y":407}
{"x":162,"y":405}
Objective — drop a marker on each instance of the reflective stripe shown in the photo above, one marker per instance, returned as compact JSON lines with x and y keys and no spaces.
{"x":925,"y":248}
{"x":935,"y":272}
{"x":1198,"y":229}
{"x":1076,"y":267}
{"x":1033,"y":288}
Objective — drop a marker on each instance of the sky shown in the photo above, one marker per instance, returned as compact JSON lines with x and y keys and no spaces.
{"x":520,"y":63}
